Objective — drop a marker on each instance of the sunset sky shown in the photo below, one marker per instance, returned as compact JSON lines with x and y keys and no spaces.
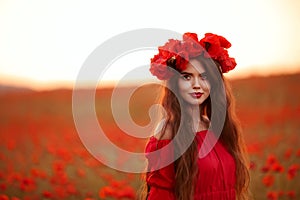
{"x":43,"y":44}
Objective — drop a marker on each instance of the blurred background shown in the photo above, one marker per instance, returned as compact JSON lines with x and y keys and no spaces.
{"x":43,"y":45}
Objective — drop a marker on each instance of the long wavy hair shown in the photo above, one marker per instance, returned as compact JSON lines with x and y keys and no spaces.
{"x":179,"y":120}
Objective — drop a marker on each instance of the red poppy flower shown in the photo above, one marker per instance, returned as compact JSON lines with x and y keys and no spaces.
{"x":126,"y":192}
{"x":27,"y":184}
{"x":224,"y":42}
{"x":227,"y":64}
{"x":271,"y":195}
{"x":192,"y":45}
{"x":252,"y":165}
{"x":3,"y":186}
{"x":291,"y":194}
{"x":159,"y":68}
{"x":292,"y":171}
{"x":14,"y":198}
{"x":271,"y":159}
{"x":277,"y":167}
{"x":47,"y":194}
{"x":265,"y":169}
{"x":298,"y":153}
{"x":268,"y":180}
{"x":80,"y":172}
{"x":190,"y":36}
{"x":4,"y":197}
{"x":71,"y":189}
{"x":216,"y":46}
{"x":106,"y":191}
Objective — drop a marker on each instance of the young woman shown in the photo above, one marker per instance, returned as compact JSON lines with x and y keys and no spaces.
{"x":200,"y":131}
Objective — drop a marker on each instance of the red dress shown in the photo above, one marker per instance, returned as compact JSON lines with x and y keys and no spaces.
{"x":216,"y":180}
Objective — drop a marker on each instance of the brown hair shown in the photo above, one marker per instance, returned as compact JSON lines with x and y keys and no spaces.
{"x":186,"y":168}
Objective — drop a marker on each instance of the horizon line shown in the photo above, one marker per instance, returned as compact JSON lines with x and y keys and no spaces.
{"x":27,"y":83}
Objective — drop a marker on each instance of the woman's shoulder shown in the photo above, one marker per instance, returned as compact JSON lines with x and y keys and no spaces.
{"x":162,"y":136}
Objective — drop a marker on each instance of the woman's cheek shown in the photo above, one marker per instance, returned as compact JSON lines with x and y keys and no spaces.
{"x":184,"y":85}
{"x":205,"y":86}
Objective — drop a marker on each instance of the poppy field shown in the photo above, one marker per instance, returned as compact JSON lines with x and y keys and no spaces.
{"x":42,"y":156}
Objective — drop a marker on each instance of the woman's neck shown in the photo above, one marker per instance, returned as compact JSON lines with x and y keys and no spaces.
{"x":199,"y":123}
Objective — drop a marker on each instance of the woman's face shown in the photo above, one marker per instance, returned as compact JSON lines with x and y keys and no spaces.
{"x":193,"y":84}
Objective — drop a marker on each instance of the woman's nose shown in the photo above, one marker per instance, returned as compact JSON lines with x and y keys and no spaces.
{"x":196,"y":83}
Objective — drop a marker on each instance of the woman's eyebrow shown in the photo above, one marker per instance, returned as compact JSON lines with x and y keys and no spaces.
{"x":186,"y":73}
{"x":203,"y":74}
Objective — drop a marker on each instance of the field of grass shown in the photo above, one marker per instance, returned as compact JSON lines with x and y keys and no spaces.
{"x":42,"y":157}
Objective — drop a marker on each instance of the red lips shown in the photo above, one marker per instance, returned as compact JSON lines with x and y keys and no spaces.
{"x":196,"y":95}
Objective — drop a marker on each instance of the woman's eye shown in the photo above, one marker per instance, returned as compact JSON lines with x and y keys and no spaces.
{"x":186,"y":77}
{"x":203,"y":77}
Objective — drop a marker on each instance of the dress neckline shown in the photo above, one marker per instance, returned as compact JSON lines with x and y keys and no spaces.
{"x":202,"y":131}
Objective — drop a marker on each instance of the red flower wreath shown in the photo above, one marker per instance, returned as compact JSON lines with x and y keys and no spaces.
{"x":181,"y":51}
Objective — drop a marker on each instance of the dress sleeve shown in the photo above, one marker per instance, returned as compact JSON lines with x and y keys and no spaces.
{"x":160,"y":182}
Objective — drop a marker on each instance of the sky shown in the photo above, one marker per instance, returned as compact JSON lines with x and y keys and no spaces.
{"x":43,"y":44}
